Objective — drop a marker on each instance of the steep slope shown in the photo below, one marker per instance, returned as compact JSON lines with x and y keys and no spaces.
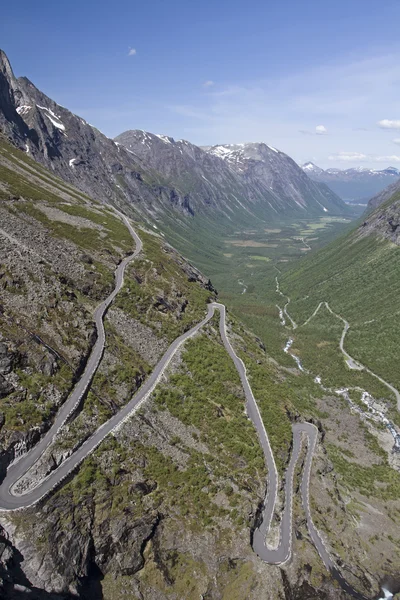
{"x":74,"y":150}
{"x":169,"y":502}
{"x":202,"y":180}
{"x":174,"y":185}
{"x":274,"y":176}
{"x":262,"y":180}
{"x":119,"y":527}
{"x":359,"y":276}
{"x":384,"y":196}
{"x":353,"y":185}
{"x":59,"y":250}
{"x":166,"y":506}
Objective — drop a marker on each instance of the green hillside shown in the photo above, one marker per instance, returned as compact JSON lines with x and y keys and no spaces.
{"x":359,"y":276}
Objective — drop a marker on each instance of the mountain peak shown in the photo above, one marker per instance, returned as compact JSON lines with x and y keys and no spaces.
{"x":237,"y":153}
{"x":392,"y":170}
{"x":310,"y":167}
{"x":5,"y":65}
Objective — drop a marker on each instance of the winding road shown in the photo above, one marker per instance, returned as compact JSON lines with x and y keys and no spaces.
{"x":350,"y":361}
{"x":10,"y":500}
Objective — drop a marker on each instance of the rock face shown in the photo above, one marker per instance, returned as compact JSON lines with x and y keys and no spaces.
{"x":385,"y":219}
{"x":385,"y":195}
{"x":354,"y":185}
{"x":264,"y":180}
{"x":154,"y":176}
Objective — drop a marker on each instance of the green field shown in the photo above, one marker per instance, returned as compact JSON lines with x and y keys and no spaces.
{"x":251,"y":257}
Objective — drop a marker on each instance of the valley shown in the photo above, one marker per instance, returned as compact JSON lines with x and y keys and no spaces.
{"x":323,"y":342}
{"x":198,"y":369}
{"x":251,"y":257}
{"x":282,"y":553}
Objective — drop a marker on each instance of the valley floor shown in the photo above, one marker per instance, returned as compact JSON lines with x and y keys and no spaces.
{"x":363,"y":477}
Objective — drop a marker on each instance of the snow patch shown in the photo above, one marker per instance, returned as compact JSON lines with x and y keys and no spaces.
{"x":71,"y":162}
{"x":273,"y":149}
{"x":221,"y":151}
{"x":52,"y":117}
{"x":164,"y":138}
{"x":386,"y":593}
{"x":22,"y":110}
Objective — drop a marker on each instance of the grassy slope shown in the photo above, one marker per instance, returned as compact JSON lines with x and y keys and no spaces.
{"x":360,"y":278}
{"x":109,"y":487}
{"x":283,"y":395}
{"x":26,"y":190}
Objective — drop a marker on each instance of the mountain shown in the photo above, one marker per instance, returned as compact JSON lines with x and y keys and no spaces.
{"x":262,"y":179}
{"x":167,"y":504}
{"x":171,"y":498}
{"x":73,"y":149}
{"x":175,"y":185}
{"x":354,"y":185}
{"x":359,"y":276}
{"x":383,"y":196}
{"x":269,"y":170}
{"x":311,"y":169}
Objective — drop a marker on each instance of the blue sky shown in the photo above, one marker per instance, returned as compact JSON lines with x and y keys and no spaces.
{"x":319,"y":80}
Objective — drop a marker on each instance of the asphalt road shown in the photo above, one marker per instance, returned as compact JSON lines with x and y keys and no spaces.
{"x":278,"y":555}
{"x":20,"y":467}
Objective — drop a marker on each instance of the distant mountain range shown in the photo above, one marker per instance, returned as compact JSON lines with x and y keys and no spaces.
{"x":355,"y":185}
{"x":172,"y":184}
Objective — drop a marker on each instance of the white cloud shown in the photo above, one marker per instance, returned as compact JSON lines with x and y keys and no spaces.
{"x":132,"y":52}
{"x":346,"y":97}
{"x":384,"y":159}
{"x":388,"y":124}
{"x":396,"y":141}
{"x":360,"y":157}
{"x":321,"y":130}
{"x":208,"y":83}
{"x":348,"y":157}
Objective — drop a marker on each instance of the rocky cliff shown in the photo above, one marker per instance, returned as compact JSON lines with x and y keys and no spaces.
{"x":384,"y":196}
{"x":385,"y":219}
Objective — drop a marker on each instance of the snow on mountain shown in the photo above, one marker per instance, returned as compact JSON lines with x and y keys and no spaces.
{"x":310,"y":168}
{"x":355,"y":184}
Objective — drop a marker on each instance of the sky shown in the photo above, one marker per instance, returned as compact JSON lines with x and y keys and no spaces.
{"x":318,"y":79}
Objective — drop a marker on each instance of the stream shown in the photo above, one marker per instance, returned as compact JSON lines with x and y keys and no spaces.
{"x":244,"y":286}
{"x":373,"y":410}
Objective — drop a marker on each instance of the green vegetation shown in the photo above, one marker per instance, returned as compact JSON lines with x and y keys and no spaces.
{"x":116,"y":230}
{"x":159,"y":293}
{"x":206,"y":393}
{"x":281,"y":246}
{"x":20,"y":185}
{"x":23,"y":174}
{"x":88,"y":238}
{"x":23,"y":413}
{"x":378,"y":480}
{"x":317,"y":345}
{"x":360,"y":278}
